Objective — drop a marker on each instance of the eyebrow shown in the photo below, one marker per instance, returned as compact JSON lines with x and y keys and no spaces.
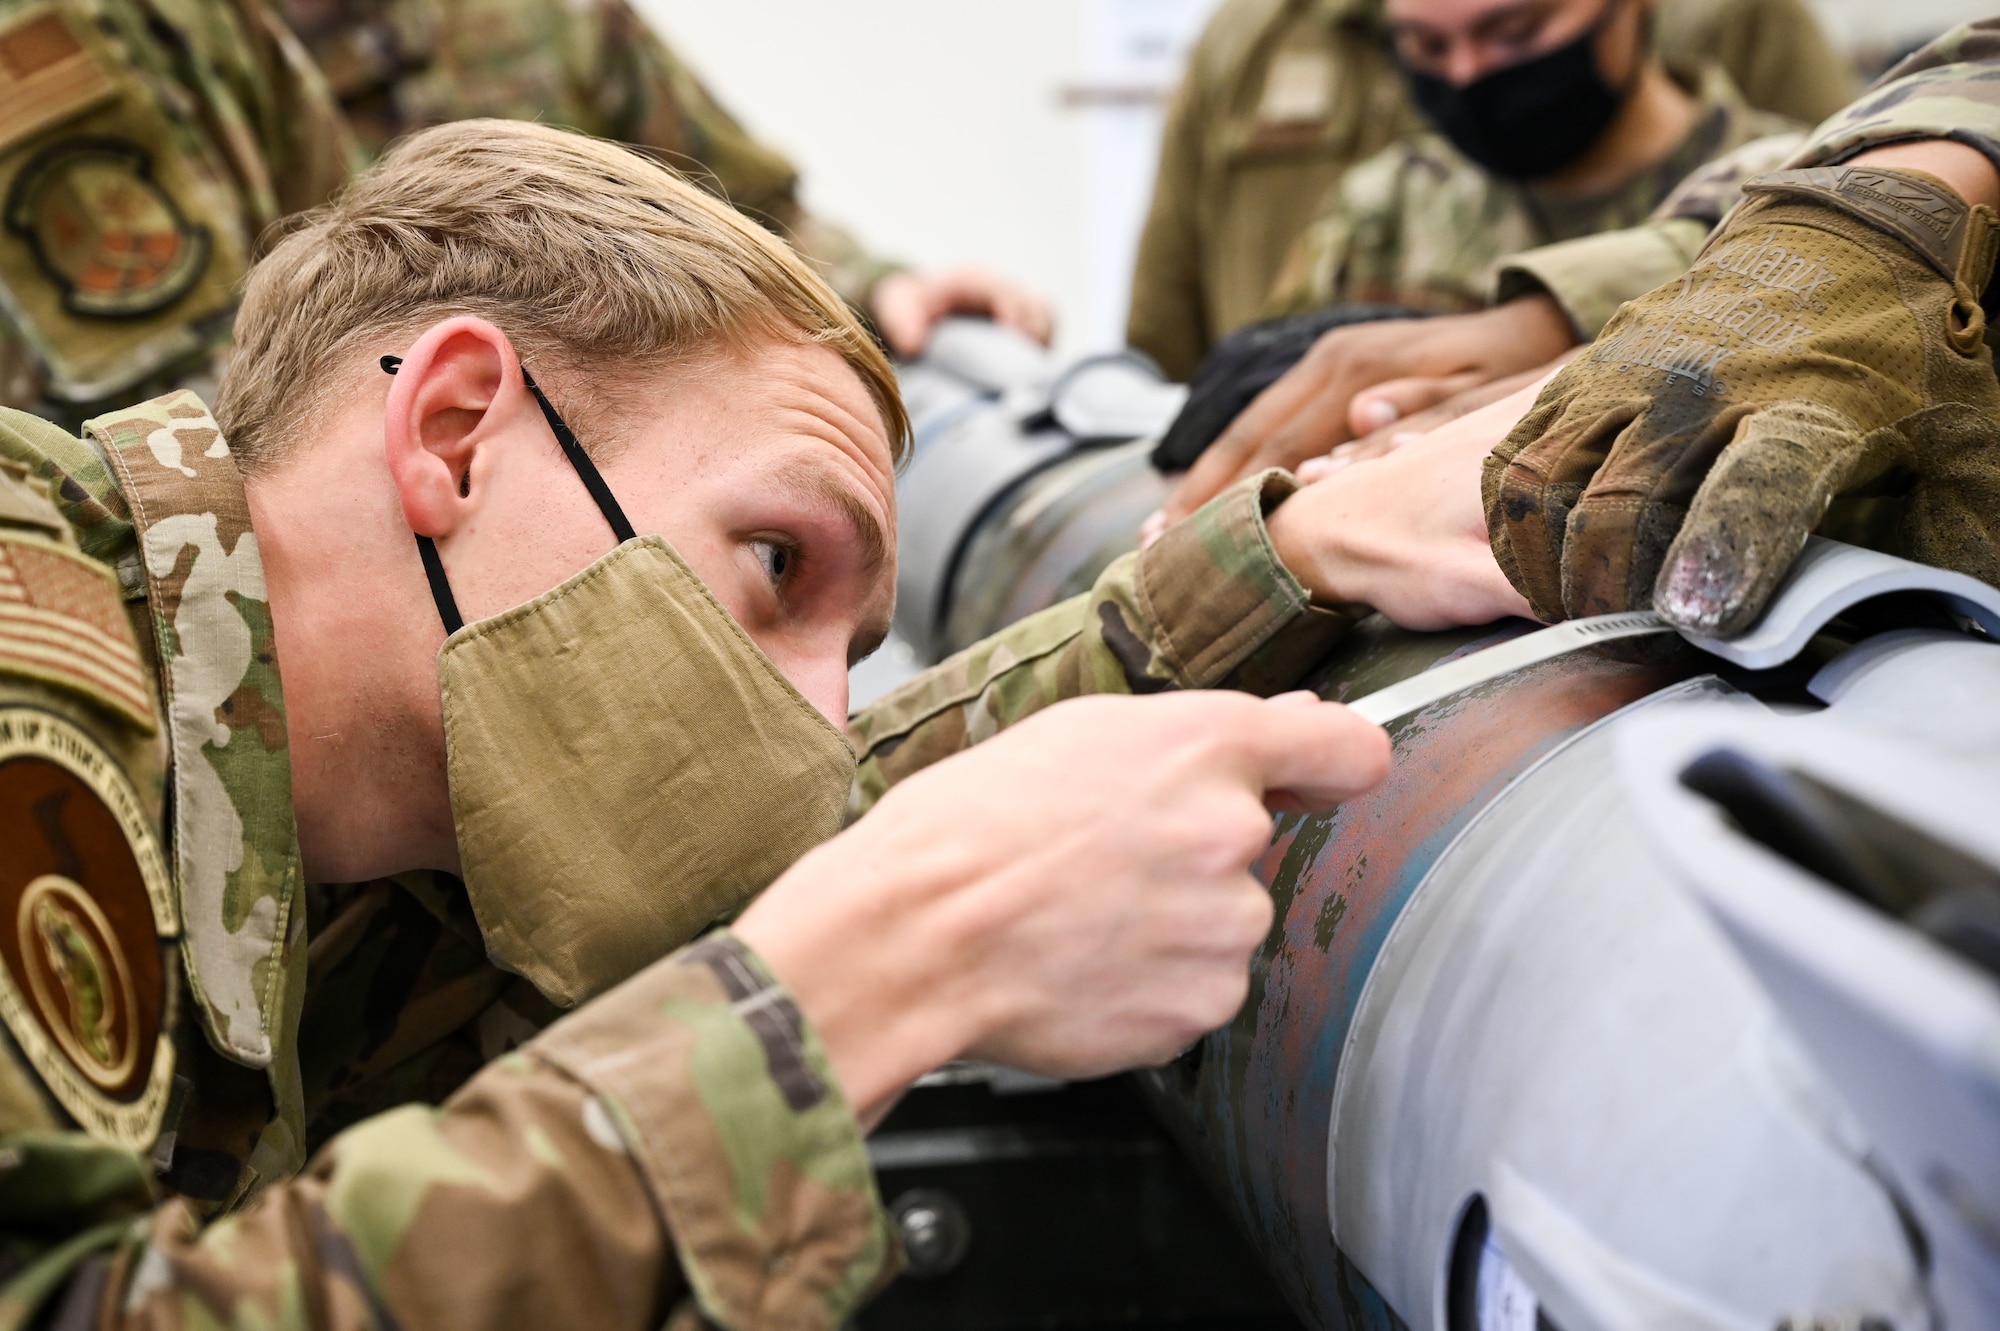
{"x":817,"y":484}
{"x":1483,"y":26}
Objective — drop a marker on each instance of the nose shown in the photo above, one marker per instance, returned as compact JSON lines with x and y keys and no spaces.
{"x":820,"y":674}
{"x":1465,"y":63}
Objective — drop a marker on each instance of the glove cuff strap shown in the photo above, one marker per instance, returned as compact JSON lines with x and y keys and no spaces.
{"x":1940,"y":227}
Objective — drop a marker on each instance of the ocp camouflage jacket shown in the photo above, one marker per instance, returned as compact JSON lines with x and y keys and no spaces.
{"x":144,"y":144}
{"x":1943,"y":90}
{"x":1421,"y":226}
{"x":398,"y":66}
{"x":192,"y":1017}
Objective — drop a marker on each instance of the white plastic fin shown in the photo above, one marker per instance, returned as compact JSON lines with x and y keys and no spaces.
{"x":1830,"y":577}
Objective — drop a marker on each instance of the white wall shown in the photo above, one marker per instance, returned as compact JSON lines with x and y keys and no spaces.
{"x":1021,"y":134}
{"x":943,"y":131}
{"x":1880,"y":23}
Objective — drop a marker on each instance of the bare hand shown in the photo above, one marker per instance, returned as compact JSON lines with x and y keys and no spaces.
{"x":907,"y":306}
{"x":1417,"y":425}
{"x":1364,"y":378}
{"x":1406,"y":532}
{"x":1071,"y":896}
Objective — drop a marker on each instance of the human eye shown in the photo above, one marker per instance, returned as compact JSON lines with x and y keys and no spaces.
{"x":777,"y":558}
{"x":1420,"y":48}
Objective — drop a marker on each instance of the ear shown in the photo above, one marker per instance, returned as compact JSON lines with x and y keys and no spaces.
{"x":457,"y":394}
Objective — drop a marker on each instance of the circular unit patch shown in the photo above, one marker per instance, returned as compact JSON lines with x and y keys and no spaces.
{"x":103,"y":229}
{"x":85,"y":905}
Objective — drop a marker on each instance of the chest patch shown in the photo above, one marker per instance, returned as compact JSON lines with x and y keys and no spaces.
{"x":104,"y":231}
{"x":1298,"y":88}
{"x":62,"y":621}
{"x":46,"y":75}
{"x":85,"y":910}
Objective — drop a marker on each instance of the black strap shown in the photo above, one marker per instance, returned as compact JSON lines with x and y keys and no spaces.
{"x":586,"y":470}
{"x":447,"y":604}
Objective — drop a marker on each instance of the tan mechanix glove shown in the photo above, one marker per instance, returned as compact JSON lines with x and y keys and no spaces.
{"x":1827,"y":344}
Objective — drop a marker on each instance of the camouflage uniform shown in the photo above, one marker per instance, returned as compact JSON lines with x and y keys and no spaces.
{"x":191,"y":1017}
{"x":1282,"y":96}
{"x":1589,"y":277}
{"x":1208,"y":605}
{"x":143,"y":146}
{"x":1419,"y":225}
{"x":1939,"y":92}
{"x":592,"y":65}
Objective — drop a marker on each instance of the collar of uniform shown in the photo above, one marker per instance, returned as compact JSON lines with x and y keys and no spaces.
{"x":235,"y":846}
{"x":1722,"y":121}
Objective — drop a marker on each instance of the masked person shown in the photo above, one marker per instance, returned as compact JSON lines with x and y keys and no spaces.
{"x":1823,"y":366}
{"x":486,"y":644}
{"x":597,"y":66}
{"x":1282,"y":97}
{"x":1547,"y":123}
{"x":143,"y":150}
{"x":1567,"y":170}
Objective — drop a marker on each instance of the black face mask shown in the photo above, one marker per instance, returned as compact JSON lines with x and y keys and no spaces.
{"x":1528,"y":120}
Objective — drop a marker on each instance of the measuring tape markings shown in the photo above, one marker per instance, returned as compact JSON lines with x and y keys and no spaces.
{"x":1440,"y":682}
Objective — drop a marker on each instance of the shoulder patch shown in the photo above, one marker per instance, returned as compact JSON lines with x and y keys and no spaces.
{"x":63,"y":621}
{"x":103,"y":230}
{"x":46,"y":75}
{"x":85,"y":912}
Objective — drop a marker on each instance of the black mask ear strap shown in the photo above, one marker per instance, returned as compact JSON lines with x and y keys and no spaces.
{"x":586,"y":471}
{"x":447,"y":604}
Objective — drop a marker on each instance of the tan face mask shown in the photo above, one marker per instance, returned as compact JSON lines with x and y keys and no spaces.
{"x":626,"y":767}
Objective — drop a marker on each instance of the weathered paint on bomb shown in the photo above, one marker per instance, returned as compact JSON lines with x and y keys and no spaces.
{"x":1252,"y":1101}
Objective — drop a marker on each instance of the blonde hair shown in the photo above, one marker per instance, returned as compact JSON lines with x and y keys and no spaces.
{"x":594,"y":260}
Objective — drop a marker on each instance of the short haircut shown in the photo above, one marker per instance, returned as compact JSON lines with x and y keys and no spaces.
{"x":597,"y":262}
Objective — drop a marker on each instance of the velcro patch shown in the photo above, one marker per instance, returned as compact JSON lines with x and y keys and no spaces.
{"x":62,"y":621}
{"x":46,"y":75}
{"x":1298,"y":88}
{"x":86,"y":915}
{"x":104,"y":230}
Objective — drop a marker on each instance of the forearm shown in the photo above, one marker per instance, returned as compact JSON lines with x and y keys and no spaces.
{"x":663,"y":106}
{"x":1209,"y":604}
{"x":679,"y":1138}
{"x":429,"y":1217}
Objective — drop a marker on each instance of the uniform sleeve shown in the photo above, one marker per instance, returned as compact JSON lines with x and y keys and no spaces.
{"x":1591,"y":276}
{"x":1948,"y":90}
{"x":1207,"y":605}
{"x":677,"y":1145}
{"x":666,"y":108}
{"x":1166,"y":318}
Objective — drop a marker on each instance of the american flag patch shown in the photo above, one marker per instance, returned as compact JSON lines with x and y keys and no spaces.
{"x":46,"y":75}
{"x":62,"y":621}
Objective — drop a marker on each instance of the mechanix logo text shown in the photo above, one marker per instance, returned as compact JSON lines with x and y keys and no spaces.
{"x":1748,"y":316}
{"x":1775,"y":266}
{"x":1680,"y":355}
